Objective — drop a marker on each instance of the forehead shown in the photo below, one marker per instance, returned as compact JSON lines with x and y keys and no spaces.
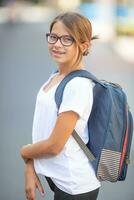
{"x":60,"y":29}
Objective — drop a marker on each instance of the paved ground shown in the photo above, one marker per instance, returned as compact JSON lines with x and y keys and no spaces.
{"x":24,"y":66}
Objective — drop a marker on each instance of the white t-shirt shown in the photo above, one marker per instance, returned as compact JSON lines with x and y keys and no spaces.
{"x":70,"y":170}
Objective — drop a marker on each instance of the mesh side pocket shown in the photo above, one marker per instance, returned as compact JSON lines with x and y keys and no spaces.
{"x":108,"y":167}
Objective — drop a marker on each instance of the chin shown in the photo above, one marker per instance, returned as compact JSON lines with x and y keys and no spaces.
{"x":59,"y":61}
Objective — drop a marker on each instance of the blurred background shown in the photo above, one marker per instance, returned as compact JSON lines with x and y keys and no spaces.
{"x":25,"y":65}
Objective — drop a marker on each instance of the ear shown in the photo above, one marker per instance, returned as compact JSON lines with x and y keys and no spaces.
{"x":84,"y":46}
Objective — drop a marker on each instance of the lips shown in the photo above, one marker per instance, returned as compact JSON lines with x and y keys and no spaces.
{"x":54,"y":52}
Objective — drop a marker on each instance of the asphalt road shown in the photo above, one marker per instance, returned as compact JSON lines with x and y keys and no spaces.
{"x":24,"y":65}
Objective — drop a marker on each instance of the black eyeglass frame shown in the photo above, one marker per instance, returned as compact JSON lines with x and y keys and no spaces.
{"x":59,"y":38}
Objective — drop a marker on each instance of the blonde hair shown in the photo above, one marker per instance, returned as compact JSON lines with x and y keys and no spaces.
{"x":79,"y":27}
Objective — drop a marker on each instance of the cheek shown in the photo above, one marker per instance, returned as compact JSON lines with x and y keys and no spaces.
{"x":49,"y":47}
{"x":73,"y":51}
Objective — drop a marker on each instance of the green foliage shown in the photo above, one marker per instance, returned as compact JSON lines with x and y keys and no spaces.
{"x":1,"y":2}
{"x":36,"y":1}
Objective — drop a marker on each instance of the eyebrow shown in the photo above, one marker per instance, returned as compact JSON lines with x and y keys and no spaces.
{"x":60,"y":35}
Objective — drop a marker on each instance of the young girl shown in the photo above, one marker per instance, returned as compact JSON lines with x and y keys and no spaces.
{"x":54,"y":152}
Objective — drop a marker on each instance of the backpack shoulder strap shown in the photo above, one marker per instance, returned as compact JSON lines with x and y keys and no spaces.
{"x":83,"y":146}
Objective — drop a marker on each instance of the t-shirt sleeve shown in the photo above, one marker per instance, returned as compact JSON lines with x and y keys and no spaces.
{"x":77,"y":96}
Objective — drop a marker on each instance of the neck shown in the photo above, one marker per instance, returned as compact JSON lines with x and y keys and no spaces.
{"x":64,"y":70}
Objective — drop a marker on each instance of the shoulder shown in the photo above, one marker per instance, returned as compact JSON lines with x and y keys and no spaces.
{"x":79,"y":83}
{"x":77,"y":96}
{"x":79,"y":87}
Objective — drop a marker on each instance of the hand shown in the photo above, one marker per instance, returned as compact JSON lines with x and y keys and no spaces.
{"x":32,"y":182}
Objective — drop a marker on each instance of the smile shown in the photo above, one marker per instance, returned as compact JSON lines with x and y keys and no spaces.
{"x":57,"y":52}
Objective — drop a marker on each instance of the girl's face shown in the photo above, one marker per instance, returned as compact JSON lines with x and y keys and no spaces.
{"x":62,"y":54}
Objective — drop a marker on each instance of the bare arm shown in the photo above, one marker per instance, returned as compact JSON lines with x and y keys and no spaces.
{"x":64,"y":127}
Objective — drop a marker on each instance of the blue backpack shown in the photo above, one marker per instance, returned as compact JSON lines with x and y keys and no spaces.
{"x":110,"y":128}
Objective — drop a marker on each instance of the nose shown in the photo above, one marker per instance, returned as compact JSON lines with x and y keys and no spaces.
{"x":58,"y":43}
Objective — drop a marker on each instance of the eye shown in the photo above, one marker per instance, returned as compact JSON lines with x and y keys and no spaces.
{"x":67,"y":39}
{"x":52,"y":37}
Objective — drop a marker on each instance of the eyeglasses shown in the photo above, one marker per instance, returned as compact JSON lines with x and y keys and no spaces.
{"x":66,"y":40}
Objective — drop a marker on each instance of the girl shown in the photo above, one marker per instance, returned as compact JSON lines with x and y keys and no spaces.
{"x":54,"y":152}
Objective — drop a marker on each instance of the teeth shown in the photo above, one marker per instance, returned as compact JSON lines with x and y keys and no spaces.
{"x":58,"y":52}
